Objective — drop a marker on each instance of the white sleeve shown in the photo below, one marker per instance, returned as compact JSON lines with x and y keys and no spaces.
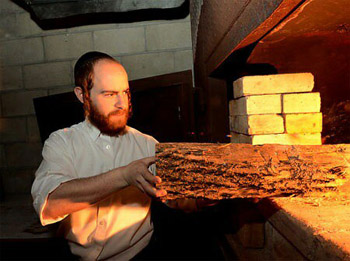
{"x":55,"y":169}
{"x":151,"y":147}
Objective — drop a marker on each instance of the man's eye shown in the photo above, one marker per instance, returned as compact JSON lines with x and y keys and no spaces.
{"x":108,"y":94}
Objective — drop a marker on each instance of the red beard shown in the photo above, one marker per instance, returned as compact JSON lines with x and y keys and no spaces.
{"x":114,"y":124}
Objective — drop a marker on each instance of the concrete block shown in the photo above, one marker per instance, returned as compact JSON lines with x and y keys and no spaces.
{"x":284,"y":139}
{"x":14,"y":25}
{"x":301,"y":102}
{"x":20,"y":103}
{"x":168,"y":36}
{"x":257,"y":124}
{"x":183,"y":60}
{"x":256,"y":104}
{"x":187,"y":18}
{"x":142,"y":23}
{"x":8,"y":6}
{"x":33,"y":129}
{"x":303,"y":122}
{"x":22,"y":51}
{"x":18,"y":181}
{"x":67,"y":46}
{"x":273,"y":84}
{"x":25,"y":26}
{"x":60,"y":90}
{"x":7,"y":25}
{"x":120,"y":41}
{"x":147,"y":65}
{"x":47,"y":75}
{"x":11,"y":78}
{"x":20,"y":155}
{"x":13,"y":129}
{"x":90,"y":28}
{"x":153,"y":22}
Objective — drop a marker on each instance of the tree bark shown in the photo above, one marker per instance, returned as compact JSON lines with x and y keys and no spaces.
{"x":221,"y":171}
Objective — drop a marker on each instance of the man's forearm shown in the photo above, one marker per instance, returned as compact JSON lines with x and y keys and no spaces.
{"x":81,"y":193}
{"x":78,"y":194}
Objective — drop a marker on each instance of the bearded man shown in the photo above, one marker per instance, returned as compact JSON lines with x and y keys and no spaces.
{"x":95,"y":177}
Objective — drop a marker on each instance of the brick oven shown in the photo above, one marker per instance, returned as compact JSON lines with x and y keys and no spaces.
{"x":235,"y":39}
{"x":277,"y":72}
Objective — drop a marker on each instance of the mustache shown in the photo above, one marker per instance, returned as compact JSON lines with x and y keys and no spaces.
{"x":118,"y":112}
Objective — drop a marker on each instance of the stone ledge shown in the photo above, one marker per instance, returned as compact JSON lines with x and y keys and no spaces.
{"x":318,"y":227}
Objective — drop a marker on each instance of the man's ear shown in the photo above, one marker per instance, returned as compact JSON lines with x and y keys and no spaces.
{"x":79,"y":93}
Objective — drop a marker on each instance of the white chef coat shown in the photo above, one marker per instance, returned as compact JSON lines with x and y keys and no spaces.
{"x":116,"y":228}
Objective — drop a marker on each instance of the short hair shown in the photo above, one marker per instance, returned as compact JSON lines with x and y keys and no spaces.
{"x":84,"y":69}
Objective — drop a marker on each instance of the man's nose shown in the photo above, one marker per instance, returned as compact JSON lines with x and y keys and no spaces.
{"x":120,"y":101}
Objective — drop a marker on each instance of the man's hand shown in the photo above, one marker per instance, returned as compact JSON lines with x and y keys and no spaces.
{"x":138,"y":175}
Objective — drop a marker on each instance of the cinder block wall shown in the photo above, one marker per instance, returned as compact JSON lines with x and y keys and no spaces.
{"x":36,"y":63}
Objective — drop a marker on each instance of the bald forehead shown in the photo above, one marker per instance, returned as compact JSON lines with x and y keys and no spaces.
{"x":109,"y":76}
{"x":108,"y":66}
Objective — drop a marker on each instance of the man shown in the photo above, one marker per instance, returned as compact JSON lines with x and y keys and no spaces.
{"x":95,"y":176}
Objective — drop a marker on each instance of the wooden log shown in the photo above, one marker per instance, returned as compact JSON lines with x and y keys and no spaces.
{"x":220,"y":171}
